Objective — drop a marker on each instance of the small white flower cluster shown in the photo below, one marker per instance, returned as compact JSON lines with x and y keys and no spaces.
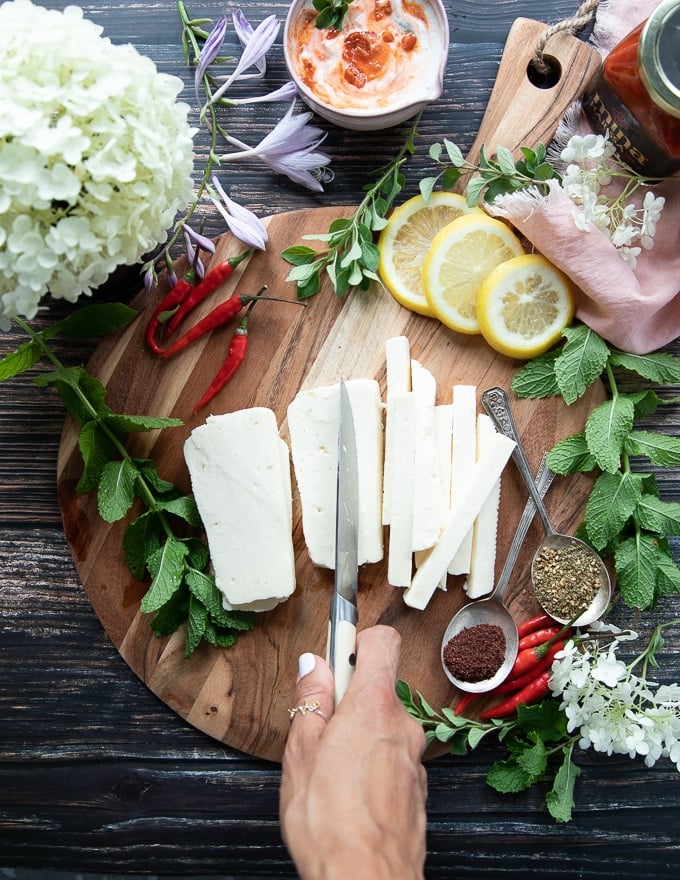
{"x":591,"y":165}
{"x":96,"y":156}
{"x":614,"y":710}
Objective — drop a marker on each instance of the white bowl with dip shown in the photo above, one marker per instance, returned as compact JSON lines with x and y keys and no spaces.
{"x":385,"y":65}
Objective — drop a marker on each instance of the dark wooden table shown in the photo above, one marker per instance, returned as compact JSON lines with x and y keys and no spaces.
{"x":96,"y":774}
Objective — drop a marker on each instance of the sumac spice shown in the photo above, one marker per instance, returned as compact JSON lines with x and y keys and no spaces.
{"x":475,"y":653}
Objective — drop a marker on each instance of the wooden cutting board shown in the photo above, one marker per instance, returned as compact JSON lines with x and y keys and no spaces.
{"x":240,"y":696}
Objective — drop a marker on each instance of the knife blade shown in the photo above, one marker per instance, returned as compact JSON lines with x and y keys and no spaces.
{"x":343,"y":617}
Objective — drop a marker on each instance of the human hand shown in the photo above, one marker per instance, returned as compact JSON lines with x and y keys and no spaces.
{"x":353,"y":788}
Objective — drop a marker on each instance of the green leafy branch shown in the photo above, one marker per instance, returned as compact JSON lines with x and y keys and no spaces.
{"x":536,"y":740}
{"x":351,"y":258}
{"x":154,"y":542}
{"x":488,"y":177}
{"x":625,"y":518}
{"x":331,"y":13}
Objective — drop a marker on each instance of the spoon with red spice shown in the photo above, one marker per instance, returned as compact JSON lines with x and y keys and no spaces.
{"x":480,"y":643}
{"x":571,"y":582}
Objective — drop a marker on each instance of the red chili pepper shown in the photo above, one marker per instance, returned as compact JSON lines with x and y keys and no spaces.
{"x":214,"y":279}
{"x":530,"y":693}
{"x":514,"y":684}
{"x":535,"y":623}
{"x":538,"y":636}
{"x":235,"y":357}
{"x":464,"y":702}
{"x":529,"y":657}
{"x":220,"y":315}
{"x":172,"y":299}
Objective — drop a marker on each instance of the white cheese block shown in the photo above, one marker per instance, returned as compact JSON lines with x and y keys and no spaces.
{"x":464,"y":454}
{"x":480,"y":581}
{"x":443,"y":423}
{"x":398,"y":371}
{"x":313,"y":428}
{"x":400,"y":556}
{"x":240,"y":478}
{"x":428,"y":510}
{"x":464,"y":510}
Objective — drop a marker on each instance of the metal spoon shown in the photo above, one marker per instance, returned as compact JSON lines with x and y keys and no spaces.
{"x":495,"y":402}
{"x":492,"y":609}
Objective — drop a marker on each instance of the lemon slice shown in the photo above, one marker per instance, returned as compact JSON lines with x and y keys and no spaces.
{"x":460,"y":257}
{"x":524,"y":305}
{"x":404,"y":242}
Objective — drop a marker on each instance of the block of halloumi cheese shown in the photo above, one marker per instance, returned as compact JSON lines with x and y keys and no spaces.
{"x":398,"y":372}
{"x":240,"y":477}
{"x":428,"y":510}
{"x":464,"y":453}
{"x":480,"y":581}
{"x":313,"y":428}
{"x":464,"y":510}
{"x":400,"y":554}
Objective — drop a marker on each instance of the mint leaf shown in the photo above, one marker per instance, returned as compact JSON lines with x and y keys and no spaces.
{"x":96,"y":449}
{"x":636,"y":561}
{"x":92,"y":321}
{"x":659,"y":367}
{"x":537,"y":378}
{"x":26,"y":356}
{"x":545,"y":719}
{"x":127,"y":424}
{"x":667,"y":575}
{"x":147,"y":468}
{"x":141,"y":540}
{"x":612,"y":501}
{"x":167,"y":568}
{"x":116,"y":489}
{"x":184,"y":507}
{"x":196,"y":624}
{"x":82,"y":394}
{"x":508,"y":777}
{"x":571,"y":455}
{"x":219,"y":637}
{"x":655,"y":515}
{"x":660,"y":449}
{"x":581,"y":362}
{"x":534,"y":759}
{"x":560,"y":798}
{"x":172,"y":615}
{"x":607,"y":428}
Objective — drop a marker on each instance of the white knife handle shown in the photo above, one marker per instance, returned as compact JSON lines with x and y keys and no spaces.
{"x":344,"y":661}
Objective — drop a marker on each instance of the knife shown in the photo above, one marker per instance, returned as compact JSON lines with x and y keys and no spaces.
{"x":343,"y":618}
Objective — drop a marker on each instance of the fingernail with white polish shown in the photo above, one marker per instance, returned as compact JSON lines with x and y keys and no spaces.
{"x":306,"y":664}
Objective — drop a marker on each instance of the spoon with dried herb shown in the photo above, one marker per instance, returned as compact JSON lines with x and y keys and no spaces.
{"x":571,"y":582}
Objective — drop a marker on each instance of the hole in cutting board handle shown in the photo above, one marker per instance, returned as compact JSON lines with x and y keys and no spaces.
{"x":546,"y":78}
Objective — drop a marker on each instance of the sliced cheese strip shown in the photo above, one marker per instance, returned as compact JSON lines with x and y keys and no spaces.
{"x":443,"y":423}
{"x":464,"y":510}
{"x":240,"y":477}
{"x":464,"y":454}
{"x":480,"y":581}
{"x":400,"y":556}
{"x":428,"y":510}
{"x":313,"y":428}
{"x":398,"y":371}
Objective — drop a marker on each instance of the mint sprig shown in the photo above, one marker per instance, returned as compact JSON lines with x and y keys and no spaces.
{"x":155,"y":542}
{"x":625,"y":517}
{"x":331,"y":13}
{"x":350,"y":258}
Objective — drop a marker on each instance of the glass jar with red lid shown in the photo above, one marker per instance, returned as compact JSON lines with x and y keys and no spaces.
{"x":636,"y":98}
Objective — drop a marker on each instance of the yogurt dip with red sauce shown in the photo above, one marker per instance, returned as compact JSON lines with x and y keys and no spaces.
{"x":387,"y":54}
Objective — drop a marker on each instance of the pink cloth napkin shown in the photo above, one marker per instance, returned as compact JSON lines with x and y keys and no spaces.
{"x":637,"y":310}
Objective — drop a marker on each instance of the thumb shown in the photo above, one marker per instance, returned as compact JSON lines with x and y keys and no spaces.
{"x":314,"y":686}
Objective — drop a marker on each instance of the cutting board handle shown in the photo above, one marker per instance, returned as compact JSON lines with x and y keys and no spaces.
{"x":520,"y":113}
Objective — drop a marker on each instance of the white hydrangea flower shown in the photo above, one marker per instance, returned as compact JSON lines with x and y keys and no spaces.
{"x":96,"y":156}
{"x":610,"y":708}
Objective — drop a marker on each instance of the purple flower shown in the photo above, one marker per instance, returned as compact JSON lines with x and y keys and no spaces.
{"x":192,"y":256}
{"x":253,"y":52}
{"x":242,"y":223}
{"x":210,"y":51}
{"x":244,"y":32}
{"x":288,"y":149}
{"x":286,"y":92}
{"x":201,"y":240}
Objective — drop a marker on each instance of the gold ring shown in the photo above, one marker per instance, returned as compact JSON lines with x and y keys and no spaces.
{"x":307,"y":707}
